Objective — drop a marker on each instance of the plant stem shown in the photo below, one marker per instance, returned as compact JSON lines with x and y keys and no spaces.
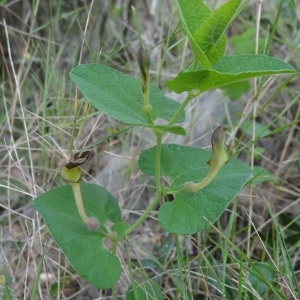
{"x":189,"y":97}
{"x":114,"y":292}
{"x":79,"y":203}
{"x":142,"y":217}
{"x":180,"y":267}
{"x":147,"y":105}
{"x":159,"y":136}
{"x":75,"y":109}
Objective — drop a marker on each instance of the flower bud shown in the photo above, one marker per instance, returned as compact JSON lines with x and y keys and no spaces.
{"x":144,"y":65}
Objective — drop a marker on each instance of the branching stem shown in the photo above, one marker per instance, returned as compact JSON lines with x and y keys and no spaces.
{"x":191,"y":95}
{"x":146,"y":213}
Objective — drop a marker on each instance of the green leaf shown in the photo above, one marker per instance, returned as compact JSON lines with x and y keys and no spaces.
{"x":173,"y":129}
{"x":214,"y":27}
{"x":261,"y":175}
{"x":191,"y":212}
{"x":192,"y":13}
{"x":84,"y":249}
{"x":217,"y":52}
{"x":257,"y":270}
{"x":290,"y":222}
{"x":6,"y":282}
{"x":261,"y":130}
{"x":119,"y":228}
{"x":244,"y":43}
{"x":228,"y":70}
{"x":120,"y":95}
{"x":235,"y":90}
{"x":143,"y":291}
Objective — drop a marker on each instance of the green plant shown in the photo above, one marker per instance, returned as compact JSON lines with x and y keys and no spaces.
{"x":5,"y":283}
{"x":76,"y":214}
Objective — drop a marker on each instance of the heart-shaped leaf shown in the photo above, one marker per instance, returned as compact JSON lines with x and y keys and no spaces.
{"x":120,"y":95}
{"x":191,"y":212}
{"x":84,"y":249}
{"x":228,"y":70}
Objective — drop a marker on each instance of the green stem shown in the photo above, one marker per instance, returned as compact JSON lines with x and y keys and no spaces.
{"x":114,"y":292}
{"x":147,"y":105}
{"x":157,"y":162}
{"x":189,"y":97}
{"x":72,"y":138}
{"x":75,"y":108}
{"x":181,"y":286}
{"x":79,"y":203}
{"x":142,"y":217}
{"x":146,"y":213}
{"x":131,"y":276}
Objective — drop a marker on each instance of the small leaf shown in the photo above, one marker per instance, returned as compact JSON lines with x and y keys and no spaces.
{"x":120,"y":95}
{"x":261,"y":175}
{"x":192,"y":13}
{"x":290,"y":222}
{"x":144,"y":291}
{"x":235,"y":90}
{"x":213,"y":28}
{"x":228,"y":70}
{"x":261,"y":130}
{"x":85,"y":249}
{"x":256,"y":271}
{"x":292,"y":239}
{"x":173,"y":129}
{"x":244,"y":43}
{"x":6,"y":281}
{"x":119,"y":228}
{"x":217,"y":52}
{"x":191,"y":212}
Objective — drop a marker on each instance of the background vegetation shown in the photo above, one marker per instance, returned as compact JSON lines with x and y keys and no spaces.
{"x":259,"y":234}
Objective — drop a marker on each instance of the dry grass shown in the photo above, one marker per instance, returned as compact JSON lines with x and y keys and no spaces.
{"x":39,"y":46}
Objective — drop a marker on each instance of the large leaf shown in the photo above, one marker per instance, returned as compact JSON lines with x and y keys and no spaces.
{"x":120,"y":95}
{"x":191,"y":212}
{"x":228,"y":70}
{"x":84,"y":249}
{"x":213,"y":28}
